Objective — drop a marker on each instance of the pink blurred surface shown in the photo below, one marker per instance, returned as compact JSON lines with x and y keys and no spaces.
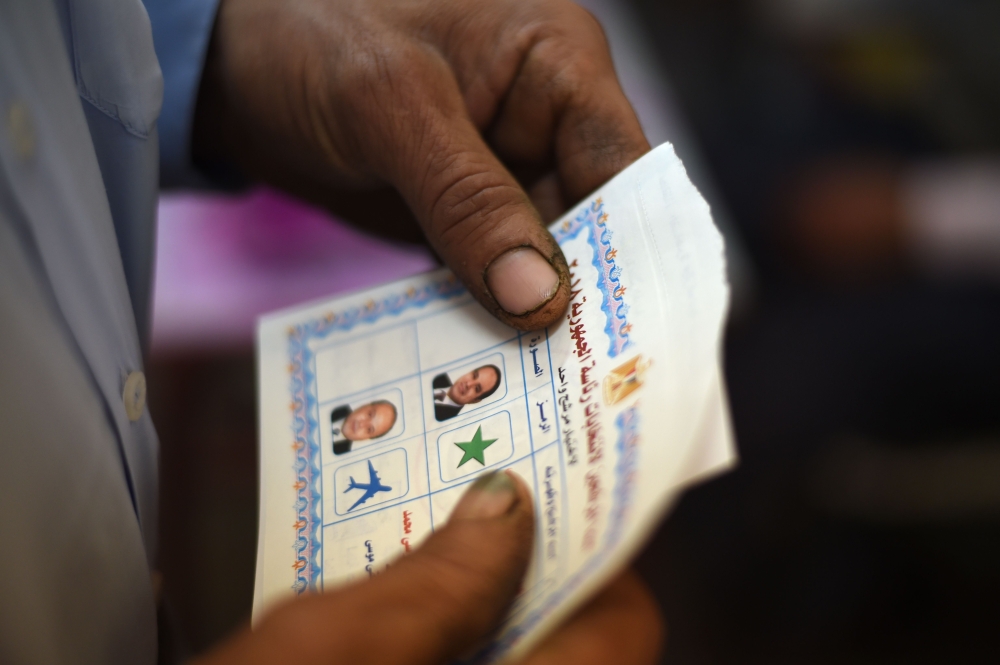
{"x":222,"y":261}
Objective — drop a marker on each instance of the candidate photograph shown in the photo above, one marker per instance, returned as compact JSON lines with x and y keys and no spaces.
{"x":450,"y":396}
{"x":361,"y":425}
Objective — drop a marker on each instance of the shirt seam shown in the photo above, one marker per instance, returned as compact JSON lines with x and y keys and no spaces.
{"x":81,"y":87}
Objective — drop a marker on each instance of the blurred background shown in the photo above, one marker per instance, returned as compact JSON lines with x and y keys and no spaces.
{"x":850,"y":150}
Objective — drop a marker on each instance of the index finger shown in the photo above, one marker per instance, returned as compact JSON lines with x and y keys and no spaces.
{"x":566,"y":103}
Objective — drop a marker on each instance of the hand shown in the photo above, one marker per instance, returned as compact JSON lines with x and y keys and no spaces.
{"x":622,"y":625}
{"x":442,"y":100}
{"x":445,"y":599}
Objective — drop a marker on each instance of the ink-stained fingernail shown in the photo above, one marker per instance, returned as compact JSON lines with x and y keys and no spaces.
{"x":492,"y":495}
{"x":521,"y":280}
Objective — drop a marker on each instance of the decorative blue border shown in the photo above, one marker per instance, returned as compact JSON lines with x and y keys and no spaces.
{"x":627,"y":447}
{"x":594,"y":219}
{"x":303,"y":390}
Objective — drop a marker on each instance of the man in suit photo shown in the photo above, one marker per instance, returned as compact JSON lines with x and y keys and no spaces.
{"x":470,"y":388}
{"x":370,"y":421}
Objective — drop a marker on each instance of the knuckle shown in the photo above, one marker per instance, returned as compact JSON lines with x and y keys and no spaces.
{"x":585,"y":24}
{"x":570,"y":67}
{"x":389,"y":96}
{"x":376,"y":63}
{"x":379,"y":71}
{"x":572,"y":23}
{"x":470,"y":203}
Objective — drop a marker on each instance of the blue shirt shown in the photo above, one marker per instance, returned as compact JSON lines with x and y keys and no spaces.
{"x":81,"y":92}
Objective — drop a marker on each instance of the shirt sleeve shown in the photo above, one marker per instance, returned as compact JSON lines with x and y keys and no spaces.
{"x":181,"y":33}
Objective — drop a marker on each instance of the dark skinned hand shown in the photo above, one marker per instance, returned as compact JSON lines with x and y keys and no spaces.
{"x":483,"y":121}
{"x":346,"y":101}
{"x":445,"y":599}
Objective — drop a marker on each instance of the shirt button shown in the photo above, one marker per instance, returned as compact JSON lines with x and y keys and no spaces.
{"x":21,"y":129}
{"x":134,"y":395}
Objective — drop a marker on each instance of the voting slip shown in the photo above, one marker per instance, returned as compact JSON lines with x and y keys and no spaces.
{"x":379,"y":409}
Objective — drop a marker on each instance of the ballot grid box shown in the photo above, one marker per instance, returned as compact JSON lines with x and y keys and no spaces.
{"x":439,"y":407}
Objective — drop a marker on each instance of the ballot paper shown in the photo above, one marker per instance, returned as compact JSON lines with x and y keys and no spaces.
{"x":378,"y":409}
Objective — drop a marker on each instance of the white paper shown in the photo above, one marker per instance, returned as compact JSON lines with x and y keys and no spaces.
{"x":607,"y":415}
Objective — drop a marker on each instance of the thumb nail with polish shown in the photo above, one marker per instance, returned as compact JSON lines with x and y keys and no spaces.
{"x":521,"y":280}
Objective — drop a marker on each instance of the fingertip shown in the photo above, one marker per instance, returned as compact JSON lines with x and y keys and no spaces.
{"x":498,"y":495}
{"x":493,"y":495}
{"x":523,"y":493}
{"x":521,"y":280}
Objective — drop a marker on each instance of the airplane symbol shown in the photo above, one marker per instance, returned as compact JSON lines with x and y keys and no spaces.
{"x":373,"y":486}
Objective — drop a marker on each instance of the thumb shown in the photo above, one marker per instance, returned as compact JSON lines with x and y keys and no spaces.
{"x":428,"y":608}
{"x":455,"y":589}
{"x":474,"y":212}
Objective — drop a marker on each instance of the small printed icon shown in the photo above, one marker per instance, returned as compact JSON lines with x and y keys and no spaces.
{"x":473,"y":450}
{"x":372,"y":487}
{"x":625,"y":379}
